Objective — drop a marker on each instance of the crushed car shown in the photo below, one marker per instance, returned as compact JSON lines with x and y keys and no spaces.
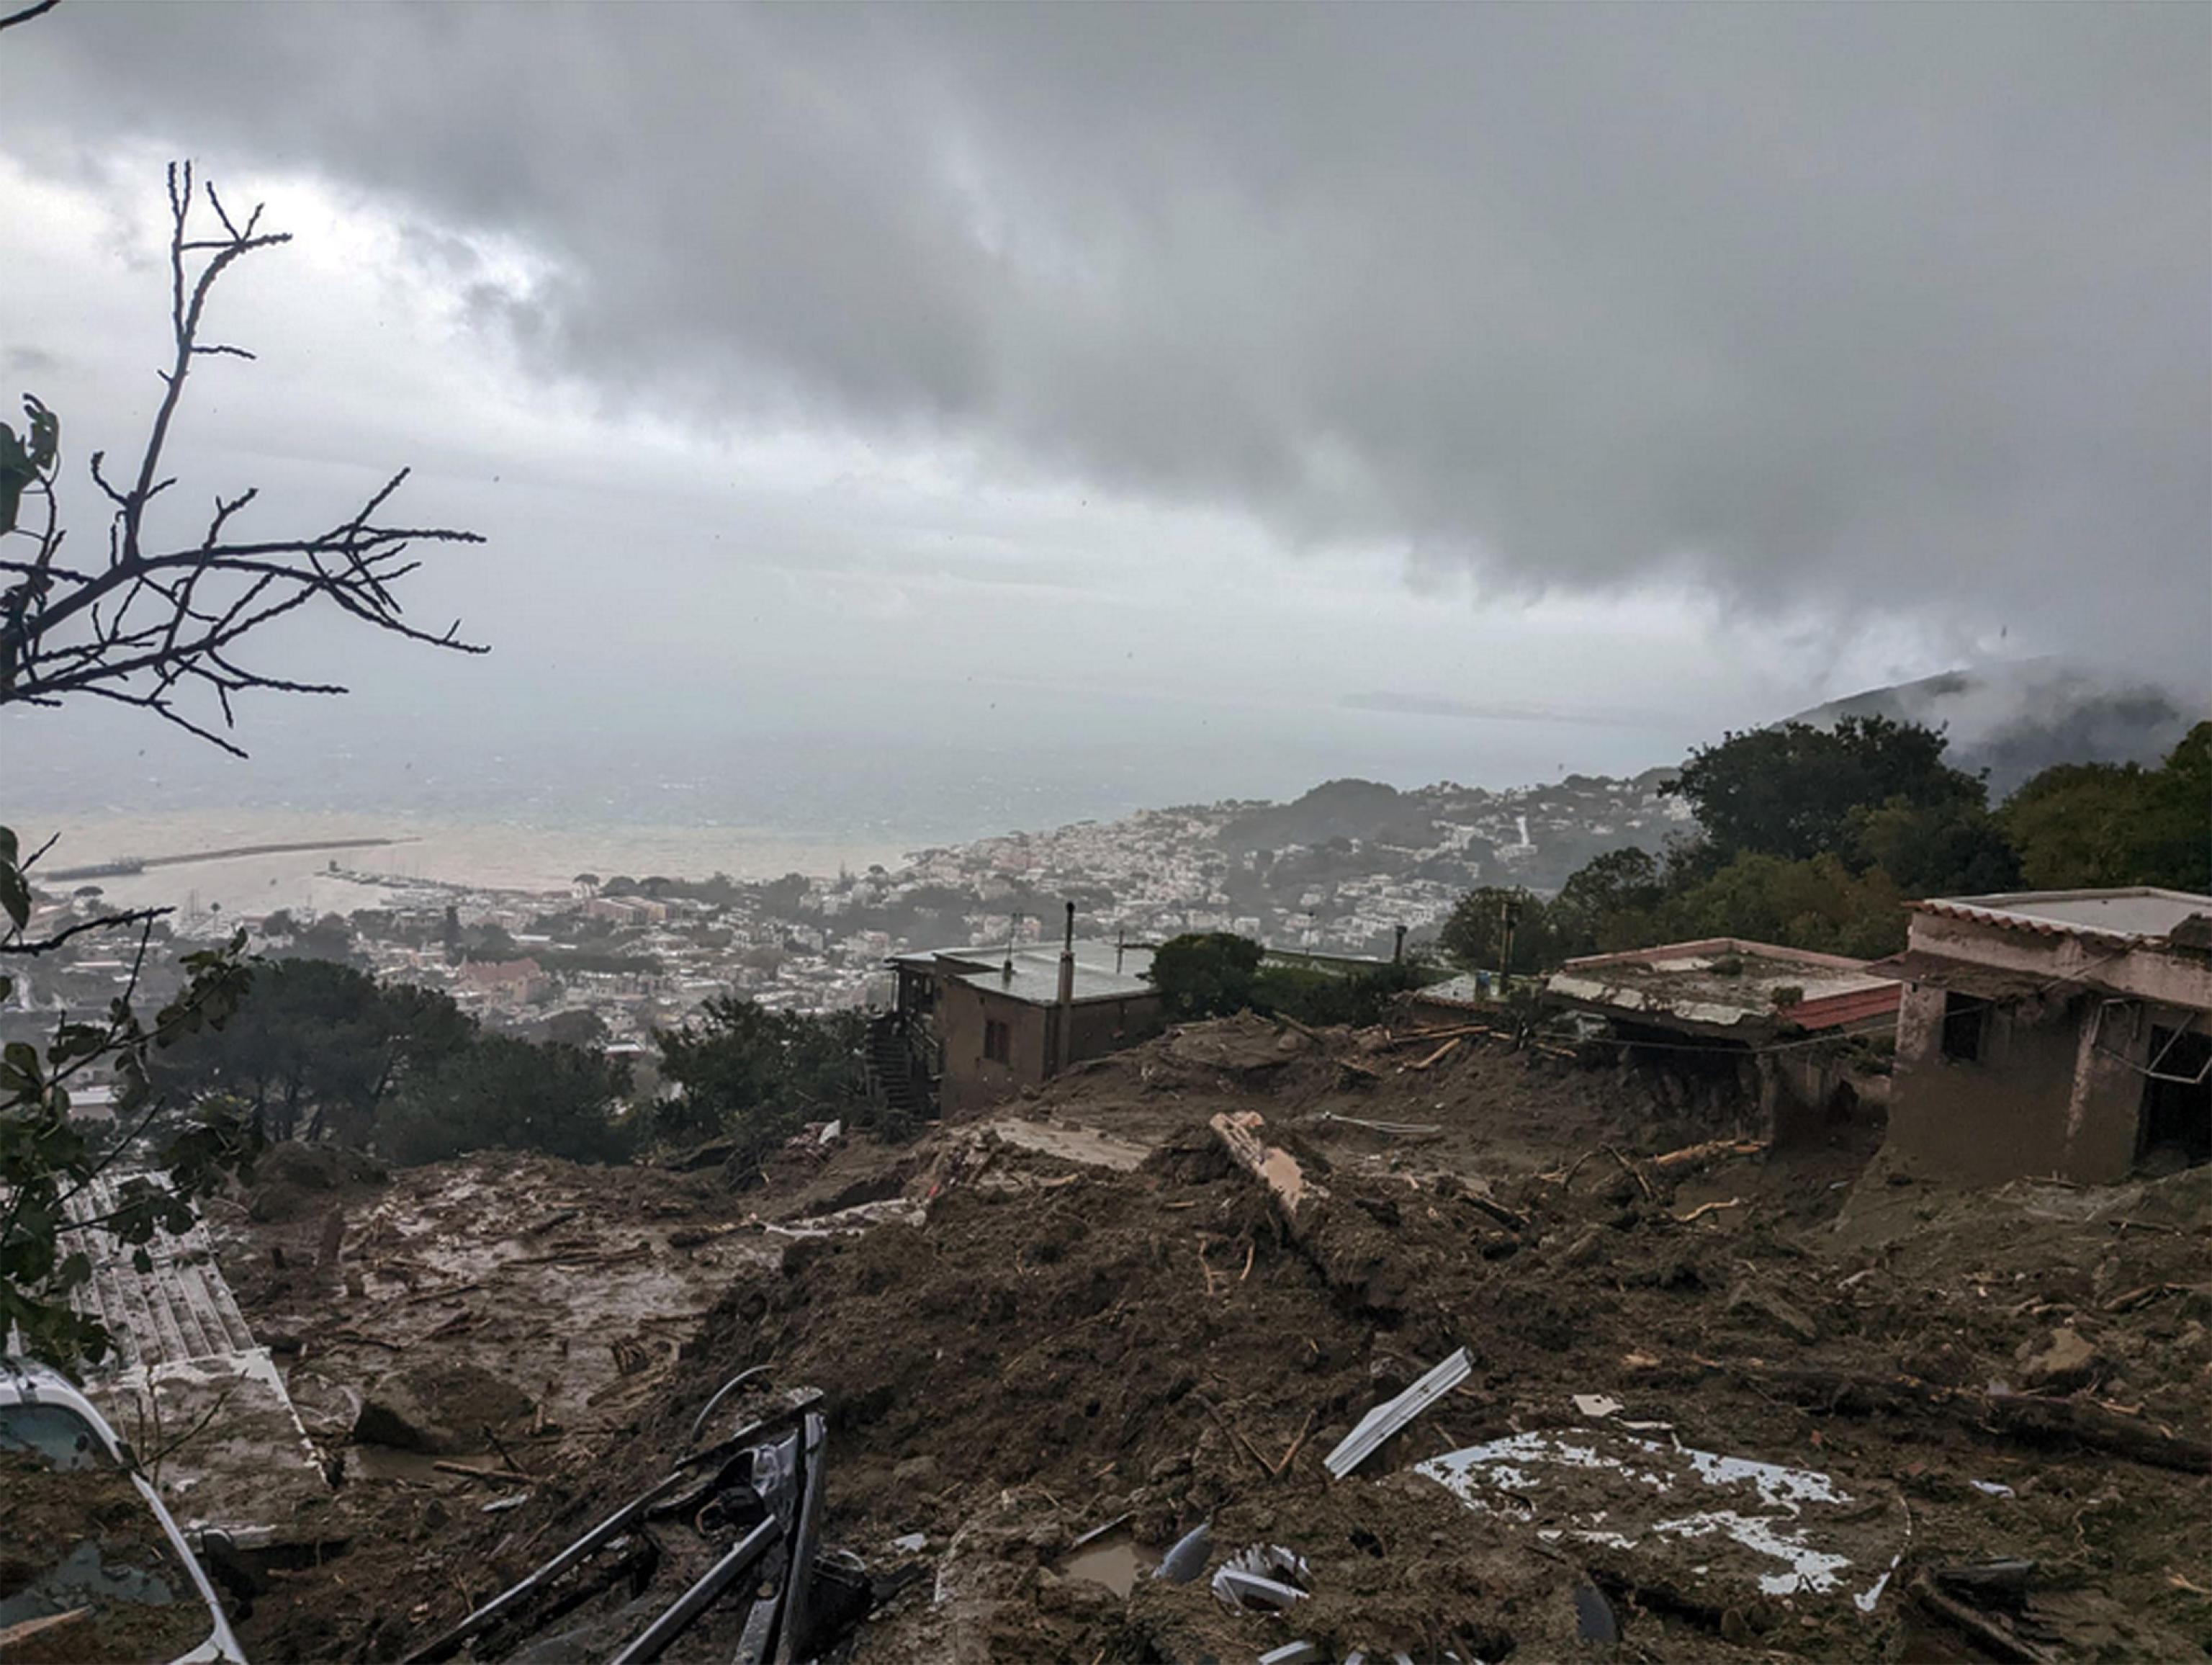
{"x":94,"y":1570}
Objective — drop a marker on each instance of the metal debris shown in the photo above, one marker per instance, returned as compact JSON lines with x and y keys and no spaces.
{"x":1400,"y":1129}
{"x":1263,"y":1578}
{"x":1100,"y":1531}
{"x":759,"y":1494}
{"x":1187,"y":1556}
{"x":1388,"y":1418}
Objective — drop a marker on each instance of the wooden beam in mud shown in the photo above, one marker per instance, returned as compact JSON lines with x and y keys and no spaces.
{"x":1297,"y":1196}
{"x":1362,"y":1263}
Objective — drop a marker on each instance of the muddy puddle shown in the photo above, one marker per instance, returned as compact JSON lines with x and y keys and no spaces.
{"x":1115,"y":1560}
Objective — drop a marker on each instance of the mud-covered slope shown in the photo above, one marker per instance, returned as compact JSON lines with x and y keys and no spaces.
{"x":1023,"y":1338}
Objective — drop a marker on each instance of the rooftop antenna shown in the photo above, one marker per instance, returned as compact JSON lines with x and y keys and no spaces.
{"x":1013,"y":936}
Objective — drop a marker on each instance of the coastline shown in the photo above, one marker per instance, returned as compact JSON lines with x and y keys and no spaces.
{"x":491,"y":856}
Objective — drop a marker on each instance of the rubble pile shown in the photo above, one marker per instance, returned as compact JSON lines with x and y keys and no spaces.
{"x":1718,"y":1401}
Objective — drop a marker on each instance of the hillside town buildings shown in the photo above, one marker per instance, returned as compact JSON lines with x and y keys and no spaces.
{"x":1340,"y":871}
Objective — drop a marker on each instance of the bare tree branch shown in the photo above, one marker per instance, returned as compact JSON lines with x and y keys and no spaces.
{"x":13,"y":944}
{"x":39,"y":9}
{"x":161,"y":627}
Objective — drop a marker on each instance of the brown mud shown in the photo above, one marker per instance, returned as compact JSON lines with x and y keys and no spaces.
{"x":1022,"y":1337}
{"x":83,"y":1542}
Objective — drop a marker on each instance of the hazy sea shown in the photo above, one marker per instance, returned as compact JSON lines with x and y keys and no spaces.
{"x":529,"y":807}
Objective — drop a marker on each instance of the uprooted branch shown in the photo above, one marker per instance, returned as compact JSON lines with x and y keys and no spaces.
{"x":2020,"y":1417}
{"x":151,"y":622}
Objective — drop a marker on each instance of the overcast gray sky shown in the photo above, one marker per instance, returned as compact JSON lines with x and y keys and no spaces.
{"x":1627,"y":371}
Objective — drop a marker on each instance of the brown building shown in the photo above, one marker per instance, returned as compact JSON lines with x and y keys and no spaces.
{"x":1733,"y":1024}
{"x":2062,"y":1032}
{"x":974,"y":1026}
{"x":510,"y":983}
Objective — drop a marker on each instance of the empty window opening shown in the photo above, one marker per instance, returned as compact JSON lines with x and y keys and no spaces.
{"x":998,"y":1041}
{"x":2177,"y":1101}
{"x":1965,"y":1027}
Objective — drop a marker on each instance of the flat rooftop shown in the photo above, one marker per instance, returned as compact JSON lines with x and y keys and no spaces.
{"x":2140,"y":910}
{"x":1725,"y":983}
{"x":1103,"y":970}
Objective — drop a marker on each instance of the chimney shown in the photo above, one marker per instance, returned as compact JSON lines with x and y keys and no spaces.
{"x":1064,"y":1018}
{"x":1067,"y":961}
{"x":1398,"y":953}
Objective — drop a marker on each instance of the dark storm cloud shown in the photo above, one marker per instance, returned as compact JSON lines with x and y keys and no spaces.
{"x":1874,"y":305}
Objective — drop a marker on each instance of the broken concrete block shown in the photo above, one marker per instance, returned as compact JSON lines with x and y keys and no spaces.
{"x":2067,"y":1360}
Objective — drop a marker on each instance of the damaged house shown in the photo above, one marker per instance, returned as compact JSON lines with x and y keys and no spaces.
{"x":974,"y":1026}
{"x":2062,"y":1032}
{"x":1738,"y":1024}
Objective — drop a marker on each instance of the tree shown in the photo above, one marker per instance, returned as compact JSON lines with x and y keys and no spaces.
{"x":1217,"y":974}
{"x":1474,"y":935}
{"x":330,"y":938}
{"x":1606,"y":904}
{"x":1318,"y":994}
{"x":315,"y":1046}
{"x":757,"y":1076}
{"x":2174,"y":838}
{"x":1208,"y":974}
{"x":1792,"y":791}
{"x":489,"y":940}
{"x":162,"y":619}
{"x":2094,"y":824}
{"x":507,"y":1093}
{"x":1818,"y":904}
{"x":1955,"y":848}
{"x":577,"y":1028}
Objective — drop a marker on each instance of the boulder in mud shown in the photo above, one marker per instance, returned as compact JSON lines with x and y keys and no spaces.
{"x":440,"y":1409}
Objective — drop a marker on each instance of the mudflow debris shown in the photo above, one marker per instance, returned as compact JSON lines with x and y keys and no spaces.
{"x":1602,"y":1363}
